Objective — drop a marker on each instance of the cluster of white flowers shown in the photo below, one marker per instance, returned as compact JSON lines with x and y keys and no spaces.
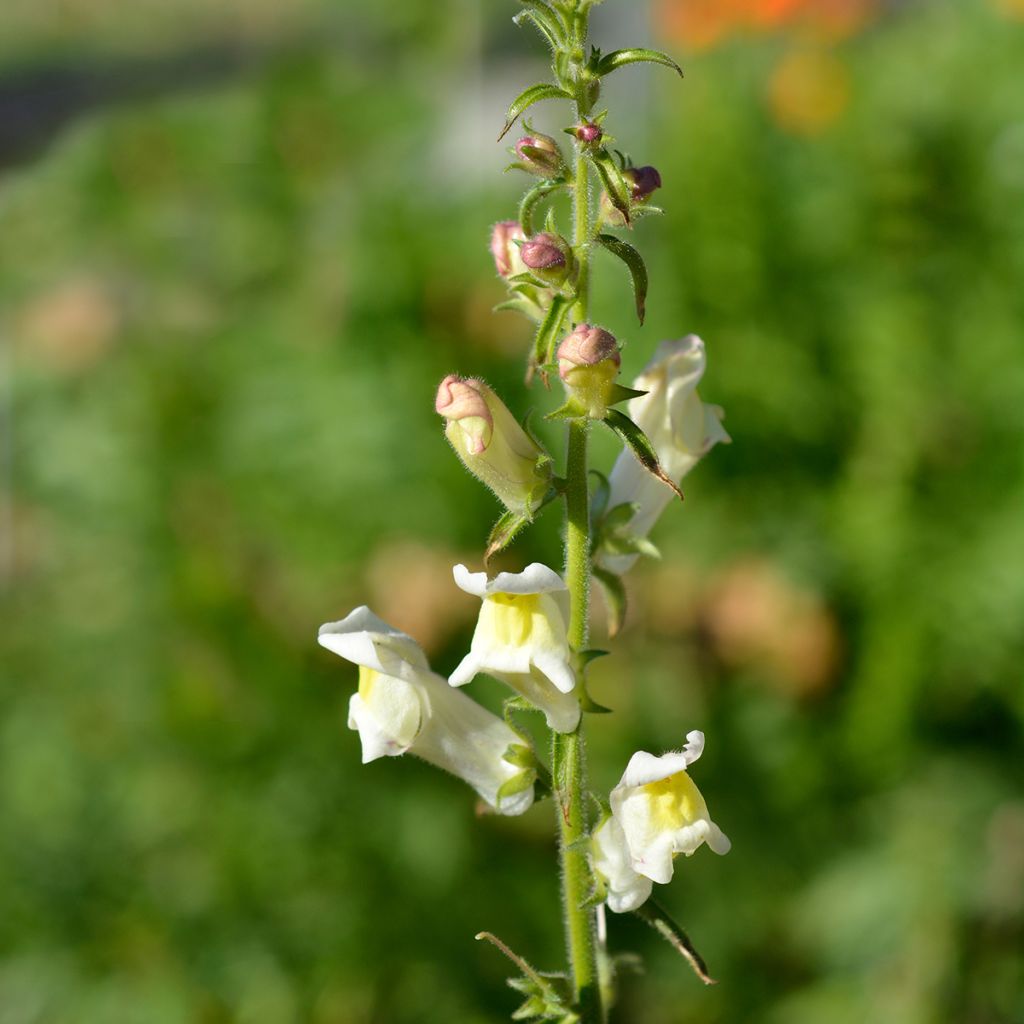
{"x":521,"y":639}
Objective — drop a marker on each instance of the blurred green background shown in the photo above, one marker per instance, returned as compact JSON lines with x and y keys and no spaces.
{"x":241,"y":242}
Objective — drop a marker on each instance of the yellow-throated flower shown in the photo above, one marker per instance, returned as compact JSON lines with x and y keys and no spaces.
{"x":401,"y":706}
{"x":521,"y":639}
{"x":657,"y":813}
{"x":679,"y":425}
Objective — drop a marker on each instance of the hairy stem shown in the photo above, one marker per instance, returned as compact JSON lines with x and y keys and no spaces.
{"x":568,"y":753}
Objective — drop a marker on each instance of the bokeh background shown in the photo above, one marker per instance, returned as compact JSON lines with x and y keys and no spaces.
{"x":240,"y":242}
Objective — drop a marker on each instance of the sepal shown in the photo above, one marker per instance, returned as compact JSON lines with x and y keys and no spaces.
{"x":640,"y":445}
{"x":615,"y":185}
{"x":547,"y":334}
{"x":535,"y":195}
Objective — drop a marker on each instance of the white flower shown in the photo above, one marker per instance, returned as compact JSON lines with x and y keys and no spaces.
{"x":625,"y":889}
{"x":521,"y":639}
{"x":657,"y":813}
{"x":679,"y":425}
{"x":403,"y":706}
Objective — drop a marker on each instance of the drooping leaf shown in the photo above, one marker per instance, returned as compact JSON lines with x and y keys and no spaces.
{"x":526,"y":99}
{"x":661,"y":921}
{"x":547,"y":334}
{"x":636,"y":55}
{"x":544,"y":20}
{"x":637,"y":269}
{"x":614,"y":591}
{"x":640,"y":445}
{"x":614,"y":183}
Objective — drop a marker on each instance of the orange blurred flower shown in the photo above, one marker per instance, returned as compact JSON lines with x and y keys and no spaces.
{"x":808,"y":91}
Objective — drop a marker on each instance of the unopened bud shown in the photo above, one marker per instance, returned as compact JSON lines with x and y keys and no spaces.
{"x":491,"y":443}
{"x":540,"y":155}
{"x":589,"y":132}
{"x":642,"y":182}
{"x":588,"y":363}
{"x":507,"y":260}
{"x":548,"y":256}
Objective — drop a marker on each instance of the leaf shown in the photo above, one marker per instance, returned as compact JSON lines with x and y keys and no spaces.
{"x":545,"y":25}
{"x":547,"y":333}
{"x":615,"y":597}
{"x":640,"y":445}
{"x":504,"y":532}
{"x":620,"y":58}
{"x":599,"y":498}
{"x":637,"y":268}
{"x":659,"y":919}
{"x":526,"y":99}
{"x":613,"y":182}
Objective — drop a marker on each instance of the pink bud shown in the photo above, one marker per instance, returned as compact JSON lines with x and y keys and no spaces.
{"x":503,"y":247}
{"x":586,"y":346}
{"x":588,"y":132}
{"x":539,"y":154}
{"x":462,"y":401}
{"x":543,"y":252}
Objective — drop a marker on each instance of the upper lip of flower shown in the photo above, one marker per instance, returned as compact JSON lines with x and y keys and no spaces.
{"x":534,"y":579}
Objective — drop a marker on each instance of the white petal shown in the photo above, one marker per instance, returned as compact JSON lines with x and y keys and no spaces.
{"x":611,"y":860}
{"x":558,"y":670}
{"x":374,"y":742}
{"x":474,"y":583}
{"x":364,"y":639}
{"x":718,"y":840}
{"x":466,"y":670}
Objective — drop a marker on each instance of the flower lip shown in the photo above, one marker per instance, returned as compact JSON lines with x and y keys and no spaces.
{"x":643,"y":181}
{"x":459,"y":398}
{"x":364,"y":639}
{"x":502,"y":235}
{"x":534,"y":579}
{"x":645,"y":768}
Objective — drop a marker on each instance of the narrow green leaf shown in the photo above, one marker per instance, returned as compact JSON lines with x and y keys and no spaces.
{"x":661,"y":921}
{"x":620,"y":58}
{"x":640,"y":445}
{"x":614,"y":591}
{"x":526,"y":99}
{"x":547,"y":333}
{"x":613,"y":182}
{"x":552,"y":14}
{"x":541,"y":24}
{"x":505,"y":531}
{"x":599,"y":498}
{"x":637,"y":269}
{"x":620,"y":393}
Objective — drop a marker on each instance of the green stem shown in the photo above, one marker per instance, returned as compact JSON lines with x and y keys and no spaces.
{"x":568,"y":750}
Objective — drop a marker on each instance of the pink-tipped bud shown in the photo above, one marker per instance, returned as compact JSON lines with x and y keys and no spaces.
{"x":587,"y":346}
{"x":588,"y":363}
{"x":504,"y":235}
{"x":589,"y":132}
{"x":492,"y":445}
{"x":462,"y":402}
{"x":540,"y":155}
{"x":642,"y":182}
{"x":543,"y":252}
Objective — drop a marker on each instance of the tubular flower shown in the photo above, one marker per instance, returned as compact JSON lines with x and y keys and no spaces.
{"x":609,"y":853}
{"x":492,"y":445}
{"x":657,"y":813}
{"x":681,"y":428}
{"x":401,"y":706}
{"x":521,"y":639}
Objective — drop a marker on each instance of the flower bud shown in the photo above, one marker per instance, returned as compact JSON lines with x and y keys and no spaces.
{"x":540,"y":155}
{"x":588,"y":363}
{"x":548,"y":256}
{"x":642,"y":182}
{"x":589,"y":133}
{"x":492,"y":445}
{"x":504,"y":236}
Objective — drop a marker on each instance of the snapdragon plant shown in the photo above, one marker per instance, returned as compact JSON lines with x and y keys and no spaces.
{"x":532,"y":630}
